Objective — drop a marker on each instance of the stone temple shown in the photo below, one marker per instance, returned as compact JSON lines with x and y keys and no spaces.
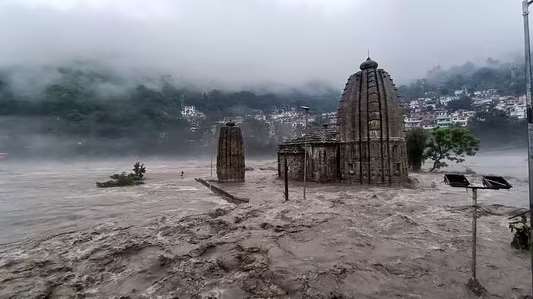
{"x":230,"y":156}
{"x":368,"y":144}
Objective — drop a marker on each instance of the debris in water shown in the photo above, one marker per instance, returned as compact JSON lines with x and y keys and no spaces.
{"x":476,"y":287}
{"x":521,"y":231}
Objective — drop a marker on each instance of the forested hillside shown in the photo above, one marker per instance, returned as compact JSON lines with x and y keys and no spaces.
{"x":86,"y":110}
{"x":506,"y":77}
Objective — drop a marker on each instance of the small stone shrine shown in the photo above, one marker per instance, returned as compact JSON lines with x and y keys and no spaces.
{"x":230,"y":156}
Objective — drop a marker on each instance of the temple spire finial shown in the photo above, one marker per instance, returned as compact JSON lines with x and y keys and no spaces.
{"x":369,"y":64}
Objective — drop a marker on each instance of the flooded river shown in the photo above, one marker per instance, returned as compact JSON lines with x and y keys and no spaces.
{"x":48,"y":197}
{"x":171,"y":237}
{"x":510,"y":164}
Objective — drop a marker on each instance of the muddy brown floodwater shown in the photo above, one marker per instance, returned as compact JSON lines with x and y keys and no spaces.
{"x":47,"y":197}
{"x":172,"y":238}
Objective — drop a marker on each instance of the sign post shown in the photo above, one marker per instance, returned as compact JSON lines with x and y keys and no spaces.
{"x":490,"y":183}
{"x":286,"y":174}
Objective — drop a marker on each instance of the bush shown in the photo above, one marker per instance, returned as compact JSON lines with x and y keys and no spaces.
{"x":139,"y":169}
{"x":123,"y":179}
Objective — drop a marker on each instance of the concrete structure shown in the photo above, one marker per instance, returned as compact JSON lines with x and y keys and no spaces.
{"x":368,"y":145}
{"x":230,"y":156}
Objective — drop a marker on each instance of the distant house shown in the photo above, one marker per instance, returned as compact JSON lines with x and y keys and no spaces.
{"x":192,"y":116}
{"x":411,"y":123}
{"x":443,"y":120}
{"x":518,"y":111}
{"x":459,"y":92}
{"x":445,"y":100}
{"x":428,"y":126}
{"x":461,"y":121}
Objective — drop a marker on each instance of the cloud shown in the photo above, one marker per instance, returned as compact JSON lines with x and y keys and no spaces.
{"x":239,"y":43}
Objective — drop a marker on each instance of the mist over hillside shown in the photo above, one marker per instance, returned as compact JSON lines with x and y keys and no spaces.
{"x":508,"y":77}
{"x":88,"y":109}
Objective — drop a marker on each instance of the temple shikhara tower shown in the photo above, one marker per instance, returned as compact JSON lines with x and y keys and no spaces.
{"x":230,"y":156}
{"x":370,"y":128}
{"x":367,"y":146}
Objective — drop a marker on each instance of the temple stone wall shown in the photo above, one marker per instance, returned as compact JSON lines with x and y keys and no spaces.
{"x":295,"y":162}
{"x":323,"y":162}
{"x":356,"y":168}
{"x":230,"y":156}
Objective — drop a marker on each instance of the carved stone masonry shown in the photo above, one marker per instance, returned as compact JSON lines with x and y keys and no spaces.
{"x":230,"y":156}
{"x":369,"y":145}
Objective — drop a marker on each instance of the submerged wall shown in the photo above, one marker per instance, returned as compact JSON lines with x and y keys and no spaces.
{"x":322,"y":161}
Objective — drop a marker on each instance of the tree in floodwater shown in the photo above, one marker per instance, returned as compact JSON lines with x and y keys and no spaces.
{"x":416,"y":144}
{"x":450,"y":144}
{"x":122,"y":179}
{"x":139,"y":170}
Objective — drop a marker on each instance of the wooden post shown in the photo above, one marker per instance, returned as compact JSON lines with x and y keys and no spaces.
{"x":286,"y":174}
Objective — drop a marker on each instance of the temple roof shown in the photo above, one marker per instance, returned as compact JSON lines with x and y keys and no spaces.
{"x":369,"y":108}
{"x":322,"y":135}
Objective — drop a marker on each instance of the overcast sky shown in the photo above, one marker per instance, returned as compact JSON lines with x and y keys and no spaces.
{"x":239,"y":43}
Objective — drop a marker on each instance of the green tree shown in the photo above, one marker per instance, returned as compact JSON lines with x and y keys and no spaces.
{"x":450,"y":144}
{"x":416,"y":144}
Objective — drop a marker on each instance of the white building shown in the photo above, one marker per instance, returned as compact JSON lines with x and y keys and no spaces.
{"x":445,"y":100}
{"x":461,"y":121}
{"x":190,"y":112}
{"x":411,"y":122}
{"x":192,"y":116}
{"x":443,"y":120}
{"x":518,"y":111}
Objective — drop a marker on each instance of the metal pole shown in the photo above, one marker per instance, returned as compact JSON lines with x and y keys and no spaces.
{"x":286,"y":173}
{"x":474,"y":232}
{"x":529,"y":86}
{"x":211,"y":150}
{"x":305,"y":153}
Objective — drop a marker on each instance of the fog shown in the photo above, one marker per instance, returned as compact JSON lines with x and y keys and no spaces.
{"x":250,"y":43}
{"x":85,"y":60}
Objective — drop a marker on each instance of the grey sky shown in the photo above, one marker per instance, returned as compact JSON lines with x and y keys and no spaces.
{"x":238,"y":43}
